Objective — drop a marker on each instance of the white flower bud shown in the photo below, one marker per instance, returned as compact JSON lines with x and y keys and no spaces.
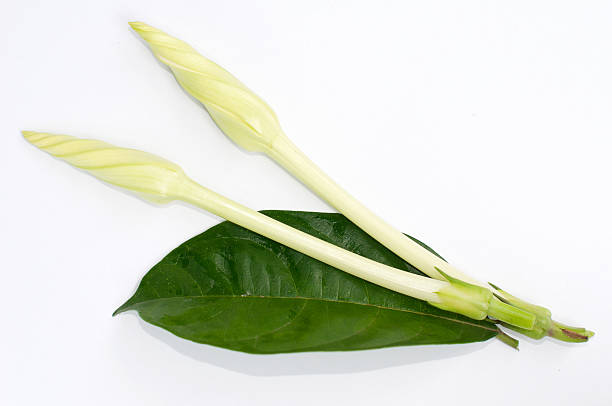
{"x":151,"y":177}
{"x":157,"y":179}
{"x":240,"y":113}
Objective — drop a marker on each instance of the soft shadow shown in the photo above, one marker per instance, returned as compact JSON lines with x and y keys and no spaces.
{"x":308,"y":363}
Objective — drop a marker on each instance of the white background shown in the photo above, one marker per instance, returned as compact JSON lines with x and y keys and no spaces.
{"x":481,"y":127}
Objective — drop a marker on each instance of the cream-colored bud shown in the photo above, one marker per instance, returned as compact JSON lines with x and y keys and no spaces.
{"x":153,"y":178}
{"x":239,"y":112}
{"x":160,"y":180}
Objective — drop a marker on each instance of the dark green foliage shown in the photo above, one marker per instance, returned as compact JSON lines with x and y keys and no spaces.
{"x":232,"y":288}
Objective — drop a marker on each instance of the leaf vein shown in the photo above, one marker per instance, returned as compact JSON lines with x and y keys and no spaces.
{"x":132,"y":306}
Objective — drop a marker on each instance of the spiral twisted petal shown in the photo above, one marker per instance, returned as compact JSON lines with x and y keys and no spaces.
{"x":152,"y":177}
{"x":240,"y":113}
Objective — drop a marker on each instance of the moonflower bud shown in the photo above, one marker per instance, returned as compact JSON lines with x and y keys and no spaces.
{"x":151,"y":177}
{"x":160,"y":180}
{"x":240,"y":113}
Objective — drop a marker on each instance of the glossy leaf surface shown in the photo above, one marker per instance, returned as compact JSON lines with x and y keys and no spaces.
{"x":232,"y":288}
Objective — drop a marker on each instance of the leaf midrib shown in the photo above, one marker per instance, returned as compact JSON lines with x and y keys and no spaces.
{"x":131,"y":306}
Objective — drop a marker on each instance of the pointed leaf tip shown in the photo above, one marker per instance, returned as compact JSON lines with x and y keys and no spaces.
{"x":120,"y":309}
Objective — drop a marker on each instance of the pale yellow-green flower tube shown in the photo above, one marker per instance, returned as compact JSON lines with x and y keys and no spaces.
{"x":162,"y":181}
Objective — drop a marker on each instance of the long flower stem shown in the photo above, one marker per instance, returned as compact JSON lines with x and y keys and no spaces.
{"x":160,"y":180}
{"x":299,"y":165}
{"x":286,"y":154}
{"x":372,"y":271}
{"x":453,"y":295}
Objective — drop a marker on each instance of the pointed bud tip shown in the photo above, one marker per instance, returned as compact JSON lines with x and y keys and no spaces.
{"x":27,"y":134}
{"x":32,"y":136}
{"x":141,"y":27}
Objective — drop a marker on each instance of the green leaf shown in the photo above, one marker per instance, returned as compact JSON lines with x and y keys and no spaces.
{"x":235,"y":289}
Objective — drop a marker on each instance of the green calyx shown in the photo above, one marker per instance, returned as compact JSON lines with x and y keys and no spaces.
{"x":477,"y":303}
{"x":544,"y":324}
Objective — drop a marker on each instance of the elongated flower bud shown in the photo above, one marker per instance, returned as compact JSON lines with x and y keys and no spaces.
{"x":240,"y":113}
{"x":158,"y":179}
{"x":153,"y":178}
